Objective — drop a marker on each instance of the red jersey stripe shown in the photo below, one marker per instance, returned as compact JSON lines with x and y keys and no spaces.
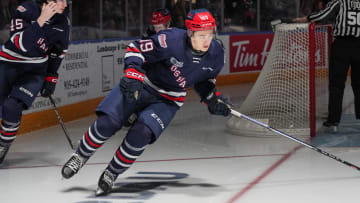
{"x":132,"y":49}
{"x":3,"y":54}
{"x":17,"y":41}
{"x":178,"y":99}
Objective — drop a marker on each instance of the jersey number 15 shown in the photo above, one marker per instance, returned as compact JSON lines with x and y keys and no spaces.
{"x":16,"y":24}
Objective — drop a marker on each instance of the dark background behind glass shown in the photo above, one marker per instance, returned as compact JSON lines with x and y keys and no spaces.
{"x":104,"y":19}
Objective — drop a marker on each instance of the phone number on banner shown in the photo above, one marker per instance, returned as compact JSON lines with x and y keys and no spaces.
{"x":76,"y":83}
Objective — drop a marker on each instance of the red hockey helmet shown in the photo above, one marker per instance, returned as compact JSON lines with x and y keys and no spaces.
{"x":200,"y":19}
{"x":160,"y":16}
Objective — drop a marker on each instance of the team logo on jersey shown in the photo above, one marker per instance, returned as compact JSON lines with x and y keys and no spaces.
{"x":162,"y":40}
{"x":21,"y":9}
{"x":174,"y":61}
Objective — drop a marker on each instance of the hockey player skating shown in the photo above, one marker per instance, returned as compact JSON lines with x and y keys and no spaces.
{"x":29,"y":60}
{"x":160,"y":20}
{"x":158,"y":71}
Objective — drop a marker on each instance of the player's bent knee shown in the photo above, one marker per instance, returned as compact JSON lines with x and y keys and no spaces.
{"x":106,"y":125}
{"x":139,"y":135}
{"x":12,"y":109}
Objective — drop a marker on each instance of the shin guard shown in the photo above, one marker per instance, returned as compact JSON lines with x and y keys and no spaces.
{"x":131,"y":148}
{"x":100,"y":131}
{"x":12,"y":112}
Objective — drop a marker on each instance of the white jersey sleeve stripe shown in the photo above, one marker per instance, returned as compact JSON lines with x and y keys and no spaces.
{"x":20,"y":42}
{"x":136,"y":55}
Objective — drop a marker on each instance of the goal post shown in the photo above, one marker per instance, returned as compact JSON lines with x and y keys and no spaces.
{"x":291,"y":84}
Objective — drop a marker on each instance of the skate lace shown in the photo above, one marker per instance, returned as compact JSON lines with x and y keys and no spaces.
{"x":108,"y":178}
{"x":75,"y":163}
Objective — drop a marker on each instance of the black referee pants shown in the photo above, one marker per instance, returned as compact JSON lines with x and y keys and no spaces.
{"x":345,"y":52}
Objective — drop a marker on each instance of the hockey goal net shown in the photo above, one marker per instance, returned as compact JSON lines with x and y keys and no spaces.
{"x":291,"y":90}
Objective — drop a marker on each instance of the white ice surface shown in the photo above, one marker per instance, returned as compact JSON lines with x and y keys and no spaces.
{"x":195,"y":160}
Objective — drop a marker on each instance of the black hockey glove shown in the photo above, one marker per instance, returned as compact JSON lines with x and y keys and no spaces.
{"x":49,"y":85}
{"x":218,"y":104}
{"x":55,"y":50}
{"x":149,"y":32}
{"x":131,"y":84}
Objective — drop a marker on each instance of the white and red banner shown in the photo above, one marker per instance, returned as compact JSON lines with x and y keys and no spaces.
{"x":249,"y":52}
{"x":91,"y":69}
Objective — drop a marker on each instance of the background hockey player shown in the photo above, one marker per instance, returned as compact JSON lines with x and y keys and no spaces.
{"x":158,"y":71}
{"x":29,"y":60}
{"x":160,"y":20}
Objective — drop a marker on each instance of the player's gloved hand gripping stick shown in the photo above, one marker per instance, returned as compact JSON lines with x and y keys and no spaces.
{"x":131,"y":84}
{"x":49,"y":85}
{"x":51,"y":79}
{"x":218,"y":104}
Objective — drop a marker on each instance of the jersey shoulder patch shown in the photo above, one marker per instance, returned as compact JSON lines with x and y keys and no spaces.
{"x":21,"y":9}
{"x":169,"y":38}
{"x":162,"y":40}
{"x":28,"y":11}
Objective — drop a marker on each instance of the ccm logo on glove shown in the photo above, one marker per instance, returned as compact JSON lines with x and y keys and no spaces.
{"x":49,"y":85}
{"x":134,"y":74}
{"x":51,"y":79}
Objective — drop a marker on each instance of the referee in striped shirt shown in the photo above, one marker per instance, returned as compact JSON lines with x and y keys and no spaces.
{"x":345,"y":52}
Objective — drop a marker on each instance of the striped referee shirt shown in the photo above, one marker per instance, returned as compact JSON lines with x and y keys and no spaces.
{"x":347,"y":20}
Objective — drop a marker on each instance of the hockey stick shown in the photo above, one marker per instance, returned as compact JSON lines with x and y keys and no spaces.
{"x":61,"y":122}
{"x":240,"y":115}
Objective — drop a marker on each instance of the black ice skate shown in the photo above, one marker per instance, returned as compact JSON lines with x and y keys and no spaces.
{"x":331,"y":127}
{"x":73,"y":165}
{"x":4,"y":148}
{"x":106,"y":182}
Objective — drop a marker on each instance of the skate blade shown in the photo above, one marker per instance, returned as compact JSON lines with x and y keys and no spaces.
{"x":99,"y":192}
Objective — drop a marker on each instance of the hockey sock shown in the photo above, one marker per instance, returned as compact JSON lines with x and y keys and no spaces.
{"x":131,"y":148}
{"x":12,"y":112}
{"x":100,"y":131}
{"x":8,"y":132}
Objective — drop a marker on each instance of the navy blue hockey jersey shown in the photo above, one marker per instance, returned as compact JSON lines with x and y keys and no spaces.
{"x":170,"y":65}
{"x":29,"y":43}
